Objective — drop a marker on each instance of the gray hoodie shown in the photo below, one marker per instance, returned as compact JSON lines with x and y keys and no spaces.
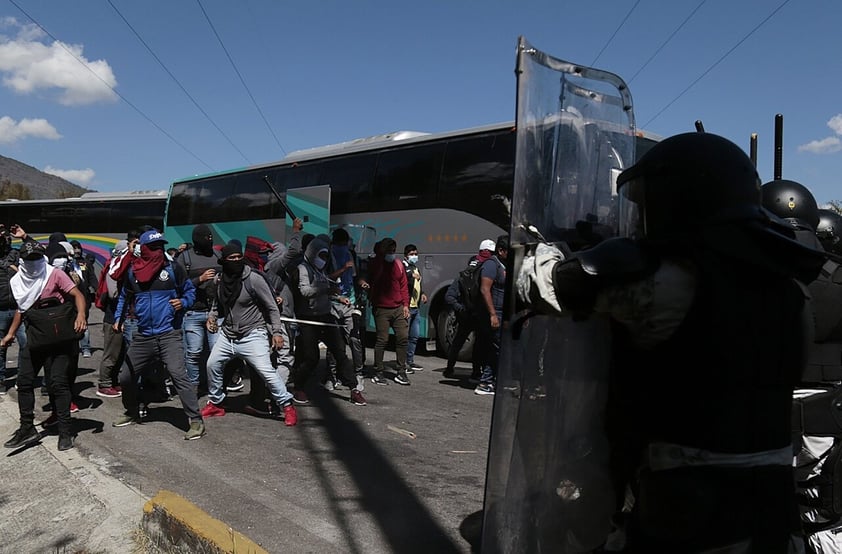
{"x":250,"y":313}
{"x":313,"y":284}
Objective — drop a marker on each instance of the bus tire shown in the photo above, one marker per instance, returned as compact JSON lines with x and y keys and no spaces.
{"x":446,"y":330}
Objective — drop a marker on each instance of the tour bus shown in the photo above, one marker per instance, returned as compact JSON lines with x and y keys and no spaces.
{"x":96,"y":219}
{"x":443,"y":192}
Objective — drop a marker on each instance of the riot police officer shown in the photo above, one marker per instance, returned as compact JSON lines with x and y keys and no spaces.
{"x":817,"y":431}
{"x":707,"y":305}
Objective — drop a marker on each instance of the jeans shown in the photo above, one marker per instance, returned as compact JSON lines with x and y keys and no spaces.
{"x":384,"y":318}
{"x":20,"y":337}
{"x":307,"y":352}
{"x":55,"y":360}
{"x":143,"y":355}
{"x":113,"y":352}
{"x":195,"y":334}
{"x":412,"y":337}
{"x":487,"y":347}
{"x":85,"y":341}
{"x":254,"y":349}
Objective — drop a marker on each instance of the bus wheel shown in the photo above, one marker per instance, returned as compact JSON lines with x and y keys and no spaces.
{"x":446,"y":331}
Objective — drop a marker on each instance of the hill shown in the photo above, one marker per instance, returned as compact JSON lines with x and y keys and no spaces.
{"x":39,"y":184}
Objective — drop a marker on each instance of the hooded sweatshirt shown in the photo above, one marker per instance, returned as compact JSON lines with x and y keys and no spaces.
{"x":313,"y":284}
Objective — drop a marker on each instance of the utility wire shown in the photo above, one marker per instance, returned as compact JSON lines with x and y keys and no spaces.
{"x":623,"y":22}
{"x":123,"y":98}
{"x":669,"y":38}
{"x":237,"y":71}
{"x":717,"y":62}
{"x":184,"y":90}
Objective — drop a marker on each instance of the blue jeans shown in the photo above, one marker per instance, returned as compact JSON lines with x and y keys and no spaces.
{"x":488,"y":344}
{"x":20,"y":336}
{"x":254,"y":349}
{"x":195,"y":334}
{"x":85,"y":341}
{"x":412,"y":339}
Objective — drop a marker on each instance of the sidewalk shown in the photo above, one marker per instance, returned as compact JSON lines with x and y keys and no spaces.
{"x":60,"y":502}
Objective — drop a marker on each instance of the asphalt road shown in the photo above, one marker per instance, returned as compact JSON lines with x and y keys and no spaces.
{"x":345,"y":479}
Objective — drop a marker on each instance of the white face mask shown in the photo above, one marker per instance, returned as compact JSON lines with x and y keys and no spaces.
{"x":412,"y":259}
{"x":319,"y":263}
{"x":136,"y":250}
{"x":59,"y":263}
{"x":389,"y":257}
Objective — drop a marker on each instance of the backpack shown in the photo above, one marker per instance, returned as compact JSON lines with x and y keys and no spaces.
{"x":101,"y":296}
{"x":469,"y":280}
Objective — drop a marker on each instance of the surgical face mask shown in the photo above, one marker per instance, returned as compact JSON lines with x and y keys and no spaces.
{"x":136,"y":250}
{"x":413,"y":259}
{"x":389,"y":257}
{"x":59,"y":263}
{"x":319,"y":263}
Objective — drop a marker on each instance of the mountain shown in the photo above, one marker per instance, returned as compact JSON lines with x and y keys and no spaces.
{"x":40,"y":184}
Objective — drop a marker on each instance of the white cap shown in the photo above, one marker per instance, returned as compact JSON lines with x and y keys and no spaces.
{"x":487,"y":244}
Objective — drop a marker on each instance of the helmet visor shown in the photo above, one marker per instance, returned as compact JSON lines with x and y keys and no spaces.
{"x":631,"y":214}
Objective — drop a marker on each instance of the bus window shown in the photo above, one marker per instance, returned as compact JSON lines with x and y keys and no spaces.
{"x":190,"y":203}
{"x":350,"y":181}
{"x":407,"y":178}
{"x":250,"y":198}
{"x":478,"y":174}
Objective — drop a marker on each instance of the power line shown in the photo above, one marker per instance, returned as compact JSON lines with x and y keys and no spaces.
{"x":123,"y":98}
{"x":669,"y":38}
{"x":717,"y":62}
{"x":237,"y":71}
{"x":184,"y":90}
{"x":623,"y":22}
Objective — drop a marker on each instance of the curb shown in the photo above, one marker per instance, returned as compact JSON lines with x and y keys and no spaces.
{"x":169,"y":518}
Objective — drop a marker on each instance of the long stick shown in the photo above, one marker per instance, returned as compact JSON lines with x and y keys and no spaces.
{"x":278,"y":196}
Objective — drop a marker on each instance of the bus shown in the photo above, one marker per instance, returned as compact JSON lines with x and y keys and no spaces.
{"x":96,"y":219}
{"x":443,"y":192}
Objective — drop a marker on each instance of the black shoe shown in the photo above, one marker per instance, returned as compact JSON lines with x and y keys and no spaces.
{"x":24,"y":435}
{"x":65,"y":441}
{"x":379,"y":379}
{"x":449,"y":373}
{"x":142,"y":411}
{"x":401,"y":378}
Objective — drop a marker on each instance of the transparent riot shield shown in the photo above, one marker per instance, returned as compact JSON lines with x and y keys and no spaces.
{"x":548,"y":484}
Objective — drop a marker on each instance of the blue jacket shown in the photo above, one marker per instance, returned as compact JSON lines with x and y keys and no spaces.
{"x":152,"y":307}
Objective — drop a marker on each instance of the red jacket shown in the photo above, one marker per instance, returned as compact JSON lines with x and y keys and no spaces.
{"x":388,"y":283}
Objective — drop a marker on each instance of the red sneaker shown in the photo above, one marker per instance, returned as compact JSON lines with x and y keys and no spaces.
{"x":73,"y":408}
{"x":212,"y":410}
{"x":290,"y":415}
{"x":109,"y":392}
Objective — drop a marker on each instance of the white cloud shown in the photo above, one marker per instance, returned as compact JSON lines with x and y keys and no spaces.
{"x":827,"y":145}
{"x":835,"y":123}
{"x":28,"y":66}
{"x":12,"y":131}
{"x":81,"y":177}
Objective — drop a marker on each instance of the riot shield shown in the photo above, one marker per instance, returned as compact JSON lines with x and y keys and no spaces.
{"x":548,"y":483}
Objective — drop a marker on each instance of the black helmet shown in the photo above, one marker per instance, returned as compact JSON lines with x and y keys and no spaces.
{"x":686,"y":182}
{"x":791,"y":201}
{"x":829,"y":230}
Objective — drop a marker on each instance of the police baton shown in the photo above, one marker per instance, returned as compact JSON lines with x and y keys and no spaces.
{"x":278,"y":196}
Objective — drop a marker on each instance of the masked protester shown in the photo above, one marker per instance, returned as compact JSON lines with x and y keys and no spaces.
{"x":36,"y":281}
{"x":201,"y":264}
{"x":160,"y":293}
{"x":251,"y":329}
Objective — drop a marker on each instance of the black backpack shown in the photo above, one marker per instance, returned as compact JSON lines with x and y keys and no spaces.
{"x":469,"y":280}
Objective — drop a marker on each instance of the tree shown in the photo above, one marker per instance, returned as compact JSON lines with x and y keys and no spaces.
{"x":835,"y":205}
{"x":14,"y":190}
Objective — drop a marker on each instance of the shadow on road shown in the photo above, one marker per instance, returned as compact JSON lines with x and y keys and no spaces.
{"x":403,"y":519}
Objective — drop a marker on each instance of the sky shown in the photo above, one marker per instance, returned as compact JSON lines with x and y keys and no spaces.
{"x":122,"y":95}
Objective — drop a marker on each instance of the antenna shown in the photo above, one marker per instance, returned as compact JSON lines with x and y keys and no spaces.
{"x":779,"y":145}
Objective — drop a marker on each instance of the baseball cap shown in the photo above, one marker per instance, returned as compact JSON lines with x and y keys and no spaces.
{"x":487,"y":244}
{"x":153,"y":235}
{"x":32,"y":251}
